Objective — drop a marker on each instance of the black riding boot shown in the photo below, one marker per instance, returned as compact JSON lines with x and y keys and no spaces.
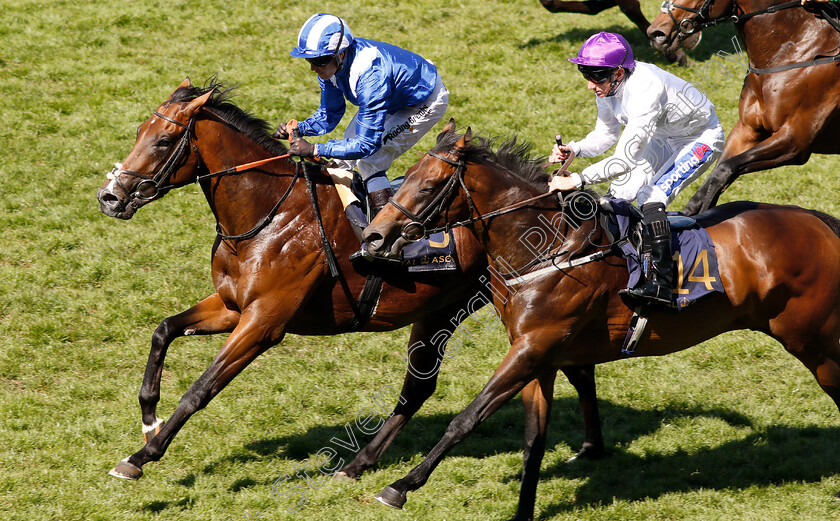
{"x":658,"y":285}
{"x":358,"y":219}
{"x":378,"y":199}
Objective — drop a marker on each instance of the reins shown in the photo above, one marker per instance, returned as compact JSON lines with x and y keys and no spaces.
{"x":436,"y":206}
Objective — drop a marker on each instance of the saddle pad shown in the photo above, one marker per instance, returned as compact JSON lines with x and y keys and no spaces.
{"x":437,"y":253}
{"x":695,"y":266}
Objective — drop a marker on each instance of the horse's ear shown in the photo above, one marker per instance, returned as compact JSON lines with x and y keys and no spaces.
{"x":198,"y":102}
{"x":184,"y":84}
{"x":465,"y":140}
{"x":449,"y":127}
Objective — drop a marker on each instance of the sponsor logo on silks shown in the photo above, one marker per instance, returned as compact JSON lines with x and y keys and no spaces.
{"x":402,"y":127}
{"x":684,"y":167}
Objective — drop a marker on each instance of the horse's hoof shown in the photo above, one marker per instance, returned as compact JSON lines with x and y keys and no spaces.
{"x":343,"y":477}
{"x":126,"y":470}
{"x":587,"y":452}
{"x":391,"y":497}
{"x":154,"y":430}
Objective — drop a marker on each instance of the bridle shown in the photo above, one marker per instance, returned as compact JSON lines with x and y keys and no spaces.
{"x":702,"y":16}
{"x":158,"y":181}
{"x":417,"y":228}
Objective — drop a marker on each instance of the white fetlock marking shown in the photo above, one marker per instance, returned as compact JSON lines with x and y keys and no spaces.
{"x":151,"y":428}
{"x":188,"y":332}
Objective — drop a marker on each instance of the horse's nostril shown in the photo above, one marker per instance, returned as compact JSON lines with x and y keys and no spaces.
{"x":108,"y":199}
{"x":656,"y":36}
{"x":373,"y":239}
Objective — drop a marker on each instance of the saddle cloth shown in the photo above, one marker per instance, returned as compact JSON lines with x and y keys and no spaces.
{"x":437,"y":253}
{"x":695,"y":266}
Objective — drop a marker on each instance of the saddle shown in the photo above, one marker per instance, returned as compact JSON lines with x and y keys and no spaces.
{"x":695,"y":268}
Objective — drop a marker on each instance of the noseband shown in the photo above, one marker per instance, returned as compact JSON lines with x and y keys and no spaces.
{"x":158,"y":181}
{"x":701,"y":19}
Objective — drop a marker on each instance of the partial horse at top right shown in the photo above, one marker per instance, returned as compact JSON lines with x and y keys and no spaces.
{"x":789,"y":103}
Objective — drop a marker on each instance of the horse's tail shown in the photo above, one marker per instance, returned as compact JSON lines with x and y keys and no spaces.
{"x":830,"y":220}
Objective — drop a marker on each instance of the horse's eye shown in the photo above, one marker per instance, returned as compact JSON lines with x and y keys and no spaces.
{"x":164,"y":142}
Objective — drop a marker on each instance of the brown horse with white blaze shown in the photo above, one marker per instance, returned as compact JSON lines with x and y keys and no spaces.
{"x":270,"y":266}
{"x":788,"y":107}
{"x":573,"y":315}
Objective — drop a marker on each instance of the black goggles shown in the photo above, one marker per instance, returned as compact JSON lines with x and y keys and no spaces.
{"x":321,"y":61}
{"x":596,"y":75}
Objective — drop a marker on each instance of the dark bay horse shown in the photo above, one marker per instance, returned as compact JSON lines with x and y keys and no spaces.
{"x":785,"y":114}
{"x":573,"y":315}
{"x":273,"y":278}
{"x":633,"y":10}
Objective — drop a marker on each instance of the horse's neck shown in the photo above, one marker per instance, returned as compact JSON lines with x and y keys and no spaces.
{"x":241,"y":200}
{"x":530,"y":235}
{"x":787,"y":36}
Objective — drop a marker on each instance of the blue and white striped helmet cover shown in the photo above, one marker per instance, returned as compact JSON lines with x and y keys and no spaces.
{"x":319,"y":37}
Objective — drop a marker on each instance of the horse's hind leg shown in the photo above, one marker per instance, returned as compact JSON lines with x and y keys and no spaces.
{"x":582,"y":379}
{"x":822,"y":358}
{"x":426,"y":348}
{"x":537,"y":397}
{"x":633,"y":10}
{"x":207,"y":317}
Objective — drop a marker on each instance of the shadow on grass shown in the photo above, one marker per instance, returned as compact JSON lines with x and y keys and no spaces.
{"x":775,"y":455}
{"x":714,"y":39}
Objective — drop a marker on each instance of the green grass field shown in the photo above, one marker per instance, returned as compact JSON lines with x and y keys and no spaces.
{"x":734,"y":429}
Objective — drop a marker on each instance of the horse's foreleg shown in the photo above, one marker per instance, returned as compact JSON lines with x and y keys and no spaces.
{"x":207,"y":317}
{"x":581,"y":7}
{"x":517,"y":369}
{"x":742,"y":138}
{"x":426,"y":348}
{"x":582,"y":379}
{"x":537,"y":397}
{"x":633,"y":10}
{"x":248,"y":340}
{"x":779,"y":149}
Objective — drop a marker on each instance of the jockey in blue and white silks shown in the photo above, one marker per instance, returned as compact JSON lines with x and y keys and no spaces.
{"x":400,"y":97}
{"x":671,"y":136}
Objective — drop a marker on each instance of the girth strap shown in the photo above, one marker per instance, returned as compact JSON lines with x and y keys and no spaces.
{"x":367,"y":301}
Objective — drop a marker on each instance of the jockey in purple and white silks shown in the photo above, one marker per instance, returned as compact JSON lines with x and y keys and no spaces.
{"x":671,"y":136}
{"x":400,"y":97}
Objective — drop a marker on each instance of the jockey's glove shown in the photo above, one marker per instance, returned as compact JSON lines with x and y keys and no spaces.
{"x":301,"y":147}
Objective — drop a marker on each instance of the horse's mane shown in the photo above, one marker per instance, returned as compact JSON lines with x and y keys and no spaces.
{"x":220,"y":104}
{"x":514,"y":156}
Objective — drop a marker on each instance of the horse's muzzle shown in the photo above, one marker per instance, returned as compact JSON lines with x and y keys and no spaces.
{"x":382,"y":244}
{"x":114,"y":206}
